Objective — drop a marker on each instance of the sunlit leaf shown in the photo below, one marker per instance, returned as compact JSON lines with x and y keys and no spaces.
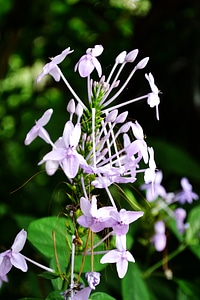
{"x":40,"y":235}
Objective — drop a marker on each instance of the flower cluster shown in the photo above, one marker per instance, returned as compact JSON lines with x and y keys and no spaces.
{"x":99,"y":148}
{"x":162,"y":201}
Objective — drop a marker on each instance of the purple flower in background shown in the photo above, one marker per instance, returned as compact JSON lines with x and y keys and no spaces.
{"x":153,"y":98}
{"x":13,"y":257}
{"x":180,"y":215}
{"x":120,"y":256}
{"x":186,"y":195}
{"x":38,"y":130}
{"x":93,"y":279}
{"x":93,"y":218}
{"x":122,"y":219}
{"x":88,"y":62}
{"x":159,"y":239}
{"x":158,"y":190}
{"x":51,"y":68}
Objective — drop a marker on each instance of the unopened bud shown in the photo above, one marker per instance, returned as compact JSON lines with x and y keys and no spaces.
{"x":112,"y":116}
{"x":122,"y":117}
{"x":131,"y":56}
{"x":121,"y":57}
{"x":125,"y":127}
{"x":142,"y":64}
{"x":71,"y":106}
{"x":79,"y":110}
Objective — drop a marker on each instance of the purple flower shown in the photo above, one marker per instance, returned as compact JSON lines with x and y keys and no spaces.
{"x":159,"y":239}
{"x":120,"y":256}
{"x":13,"y":257}
{"x":65,"y":152}
{"x":186,"y":195}
{"x":122,"y":219}
{"x":51,"y":68}
{"x":38,"y":129}
{"x":88,"y":62}
{"x":93,"y":279}
{"x":93,"y":218}
{"x":153,"y":98}
{"x":180,"y":215}
{"x":158,"y":190}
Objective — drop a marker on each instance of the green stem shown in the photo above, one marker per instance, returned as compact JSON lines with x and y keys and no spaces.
{"x":164,"y":260}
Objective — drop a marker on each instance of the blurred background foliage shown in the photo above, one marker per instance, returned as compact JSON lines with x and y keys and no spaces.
{"x":31,"y":32}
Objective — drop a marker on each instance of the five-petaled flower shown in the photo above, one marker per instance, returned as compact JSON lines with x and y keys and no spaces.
{"x":120,"y":256}
{"x":122,"y":219}
{"x":13,"y":257}
{"x":94,"y":218}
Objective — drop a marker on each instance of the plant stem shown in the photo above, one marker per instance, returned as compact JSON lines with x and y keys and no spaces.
{"x":164,"y":261}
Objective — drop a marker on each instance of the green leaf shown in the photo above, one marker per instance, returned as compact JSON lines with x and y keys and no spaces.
{"x":56,"y":295}
{"x":101,"y":296}
{"x":134,"y":286}
{"x":58,"y":282}
{"x":48,"y":275}
{"x":189,"y":289}
{"x":40,"y":235}
{"x":192,"y":233}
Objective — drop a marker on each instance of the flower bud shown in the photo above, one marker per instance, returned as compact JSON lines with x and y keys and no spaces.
{"x":121,"y":57}
{"x":71,"y":106}
{"x":79,"y":110}
{"x":112,"y":116}
{"x":125,"y":127}
{"x":122,"y":117}
{"x":142,"y":64}
{"x":131,"y":56}
{"x":93,"y":279}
